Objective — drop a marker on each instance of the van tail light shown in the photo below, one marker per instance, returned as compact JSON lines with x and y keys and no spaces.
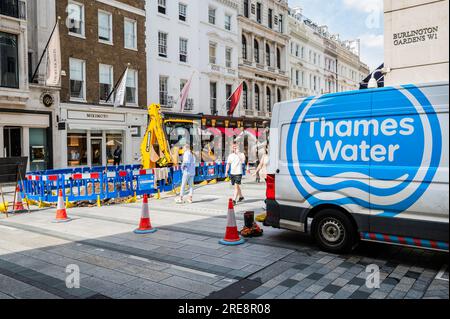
{"x":270,"y":184}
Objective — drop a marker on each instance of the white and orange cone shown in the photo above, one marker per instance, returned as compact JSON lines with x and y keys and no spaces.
{"x":145,"y":226}
{"x":18,"y":204}
{"x":61,"y":213}
{"x":232,"y":237}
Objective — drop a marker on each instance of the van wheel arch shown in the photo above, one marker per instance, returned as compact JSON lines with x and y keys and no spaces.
{"x":336,"y":210}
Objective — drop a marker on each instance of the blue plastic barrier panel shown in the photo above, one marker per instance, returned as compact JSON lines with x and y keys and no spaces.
{"x":146,"y":182}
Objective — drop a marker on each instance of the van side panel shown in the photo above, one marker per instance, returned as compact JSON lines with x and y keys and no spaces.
{"x":409,"y":192}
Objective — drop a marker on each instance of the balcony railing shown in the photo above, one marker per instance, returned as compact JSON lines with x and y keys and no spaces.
{"x":13,"y":8}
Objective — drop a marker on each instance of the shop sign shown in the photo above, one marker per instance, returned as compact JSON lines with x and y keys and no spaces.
{"x":96,"y":116}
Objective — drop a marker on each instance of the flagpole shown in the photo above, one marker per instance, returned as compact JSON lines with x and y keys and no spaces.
{"x":45,"y":49}
{"x":117,"y":83}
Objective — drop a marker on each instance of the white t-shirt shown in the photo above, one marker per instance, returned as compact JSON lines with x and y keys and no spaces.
{"x":235,"y":161}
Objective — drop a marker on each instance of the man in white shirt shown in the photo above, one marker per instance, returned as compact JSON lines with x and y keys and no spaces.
{"x":234,"y":167}
{"x":188,"y":168}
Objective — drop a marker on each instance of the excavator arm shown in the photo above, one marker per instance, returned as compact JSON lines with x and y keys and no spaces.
{"x":155,"y":138}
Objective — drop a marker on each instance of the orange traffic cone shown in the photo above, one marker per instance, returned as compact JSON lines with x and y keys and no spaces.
{"x":231,"y":234}
{"x":18,"y":204}
{"x":61,"y":214}
{"x":145,"y":226}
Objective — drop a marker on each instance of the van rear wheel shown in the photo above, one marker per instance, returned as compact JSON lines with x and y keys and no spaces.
{"x":334,"y":231}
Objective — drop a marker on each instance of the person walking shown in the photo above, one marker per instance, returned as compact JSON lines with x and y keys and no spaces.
{"x":117,"y":155}
{"x":188,"y":168}
{"x":261,"y":170}
{"x":234,"y":168}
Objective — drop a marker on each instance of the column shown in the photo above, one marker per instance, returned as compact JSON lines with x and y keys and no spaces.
{"x":2,"y":146}
{"x":60,"y":147}
{"x":104,"y":157}
{"x":26,"y":144}
{"x":252,"y":46}
{"x":89,"y":150}
{"x":252,"y":96}
{"x":127,"y":150}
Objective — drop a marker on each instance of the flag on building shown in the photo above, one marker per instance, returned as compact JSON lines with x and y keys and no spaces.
{"x":53,"y":77}
{"x":184,"y":94}
{"x":121,"y":90}
{"x":235,"y":98}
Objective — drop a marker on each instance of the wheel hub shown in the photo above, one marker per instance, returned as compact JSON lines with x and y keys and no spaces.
{"x":332,"y":231}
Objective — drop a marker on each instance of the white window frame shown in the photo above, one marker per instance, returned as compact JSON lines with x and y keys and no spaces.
{"x":136,"y":81}
{"x":214,"y":17}
{"x":185,"y":53}
{"x":212,"y":44}
{"x":228,"y":62}
{"x":83,"y":99}
{"x":166,"y":79}
{"x":111,"y":99}
{"x":110,"y":42}
{"x":162,"y":4}
{"x":166,"y":44}
{"x":182,"y":14}
{"x":134,"y":22}
{"x":228,"y":23}
{"x":83,"y":19}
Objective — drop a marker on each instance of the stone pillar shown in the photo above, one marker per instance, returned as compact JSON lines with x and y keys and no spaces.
{"x":252,"y":46}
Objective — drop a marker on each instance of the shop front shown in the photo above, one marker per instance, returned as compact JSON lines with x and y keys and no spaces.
{"x":27,"y":134}
{"x":101,"y":138}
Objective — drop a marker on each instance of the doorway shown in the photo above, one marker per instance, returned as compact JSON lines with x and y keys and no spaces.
{"x":12,"y":141}
{"x":97,"y":151}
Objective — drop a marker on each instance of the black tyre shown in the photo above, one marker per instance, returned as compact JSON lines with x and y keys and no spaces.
{"x":333,"y":231}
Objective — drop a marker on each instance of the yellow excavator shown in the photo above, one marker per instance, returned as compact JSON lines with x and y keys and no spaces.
{"x":155,"y":148}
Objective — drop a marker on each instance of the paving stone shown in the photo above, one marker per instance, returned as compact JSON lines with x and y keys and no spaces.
{"x":305,"y":295}
{"x":323,"y":295}
{"x":35,"y":293}
{"x":189,"y":285}
{"x":378,"y":294}
{"x":157,"y":289}
{"x":397,"y":294}
{"x":315,"y":276}
{"x":314,"y":289}
{"x":333,"y":289}
{"x":289,"y":283}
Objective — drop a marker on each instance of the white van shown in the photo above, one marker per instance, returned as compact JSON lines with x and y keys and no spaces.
{"x":363,"y":165}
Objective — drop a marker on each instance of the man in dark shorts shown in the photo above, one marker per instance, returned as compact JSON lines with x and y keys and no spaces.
{"x":235,"y":162}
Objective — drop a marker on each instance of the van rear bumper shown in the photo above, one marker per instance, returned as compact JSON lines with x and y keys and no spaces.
{"x":283,"y":216}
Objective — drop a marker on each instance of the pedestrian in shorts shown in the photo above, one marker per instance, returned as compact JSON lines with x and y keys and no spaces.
{"x":234,"y":168}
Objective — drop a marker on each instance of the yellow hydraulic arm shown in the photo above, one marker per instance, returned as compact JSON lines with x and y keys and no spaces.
{"x":155,"y":135}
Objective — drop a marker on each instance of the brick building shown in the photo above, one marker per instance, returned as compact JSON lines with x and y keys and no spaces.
{"x":99,"y":40}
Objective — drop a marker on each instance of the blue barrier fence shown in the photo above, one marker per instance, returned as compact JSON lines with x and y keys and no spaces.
{"x":89,"y":184}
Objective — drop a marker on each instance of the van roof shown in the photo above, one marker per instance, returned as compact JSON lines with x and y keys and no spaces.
{"x":367,"y":91}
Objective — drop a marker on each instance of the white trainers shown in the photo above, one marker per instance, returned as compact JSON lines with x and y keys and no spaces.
{"x":179,"y":201}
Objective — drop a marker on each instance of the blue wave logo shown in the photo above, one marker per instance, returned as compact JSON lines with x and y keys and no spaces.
{"x":385,"y":156}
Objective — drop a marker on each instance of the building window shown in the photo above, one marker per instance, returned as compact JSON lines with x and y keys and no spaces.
{"x":228,"y":92}
{"x":212,"y":15}
{"x":279,"y":96}
{"x":162,"y":8}
{"x":268,"y":54}
{"x":269,"y":99}
{"x":162,"y":44}
{"x":279,"y":58}
{"x":77,"y":79}
{"x":9,"y":65}
{"x":257,"y":99}
{"x":130,"y":31}
{"x":229,"y":57}
{"x":76,"y":149}
{"x":182,"y":84}
{"x":227,"y":22}
{"x":270,"y":17}
{"x":280,"y":23}
{"x":246,"y":9}
{"x":259,"y":12}
{"x":182,"y":9}
{"x":256,"y":51}
{"x":105,"y":27}
{"x":163,"y":91}
{"x":245,"y":95}
{"x":183,"y":50}
{"x":75,"y":13}
{"x":244,"y":48}
{"x":212,"y":53}
{"x":106,"y":82}
{"x":131,"y":85}
{"x":213,"y":97}
{"x":297,"y":77}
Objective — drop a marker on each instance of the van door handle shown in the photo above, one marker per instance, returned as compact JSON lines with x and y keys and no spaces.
{"x":278,"y":171}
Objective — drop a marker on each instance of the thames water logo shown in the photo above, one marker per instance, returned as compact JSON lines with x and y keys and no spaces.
{"x":388,"y":152}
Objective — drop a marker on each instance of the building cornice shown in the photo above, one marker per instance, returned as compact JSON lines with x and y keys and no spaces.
{"x":123,"y":6}
{"x":230,"y":3}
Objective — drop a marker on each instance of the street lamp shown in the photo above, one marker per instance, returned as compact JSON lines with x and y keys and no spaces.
{"x":373,"y":83}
